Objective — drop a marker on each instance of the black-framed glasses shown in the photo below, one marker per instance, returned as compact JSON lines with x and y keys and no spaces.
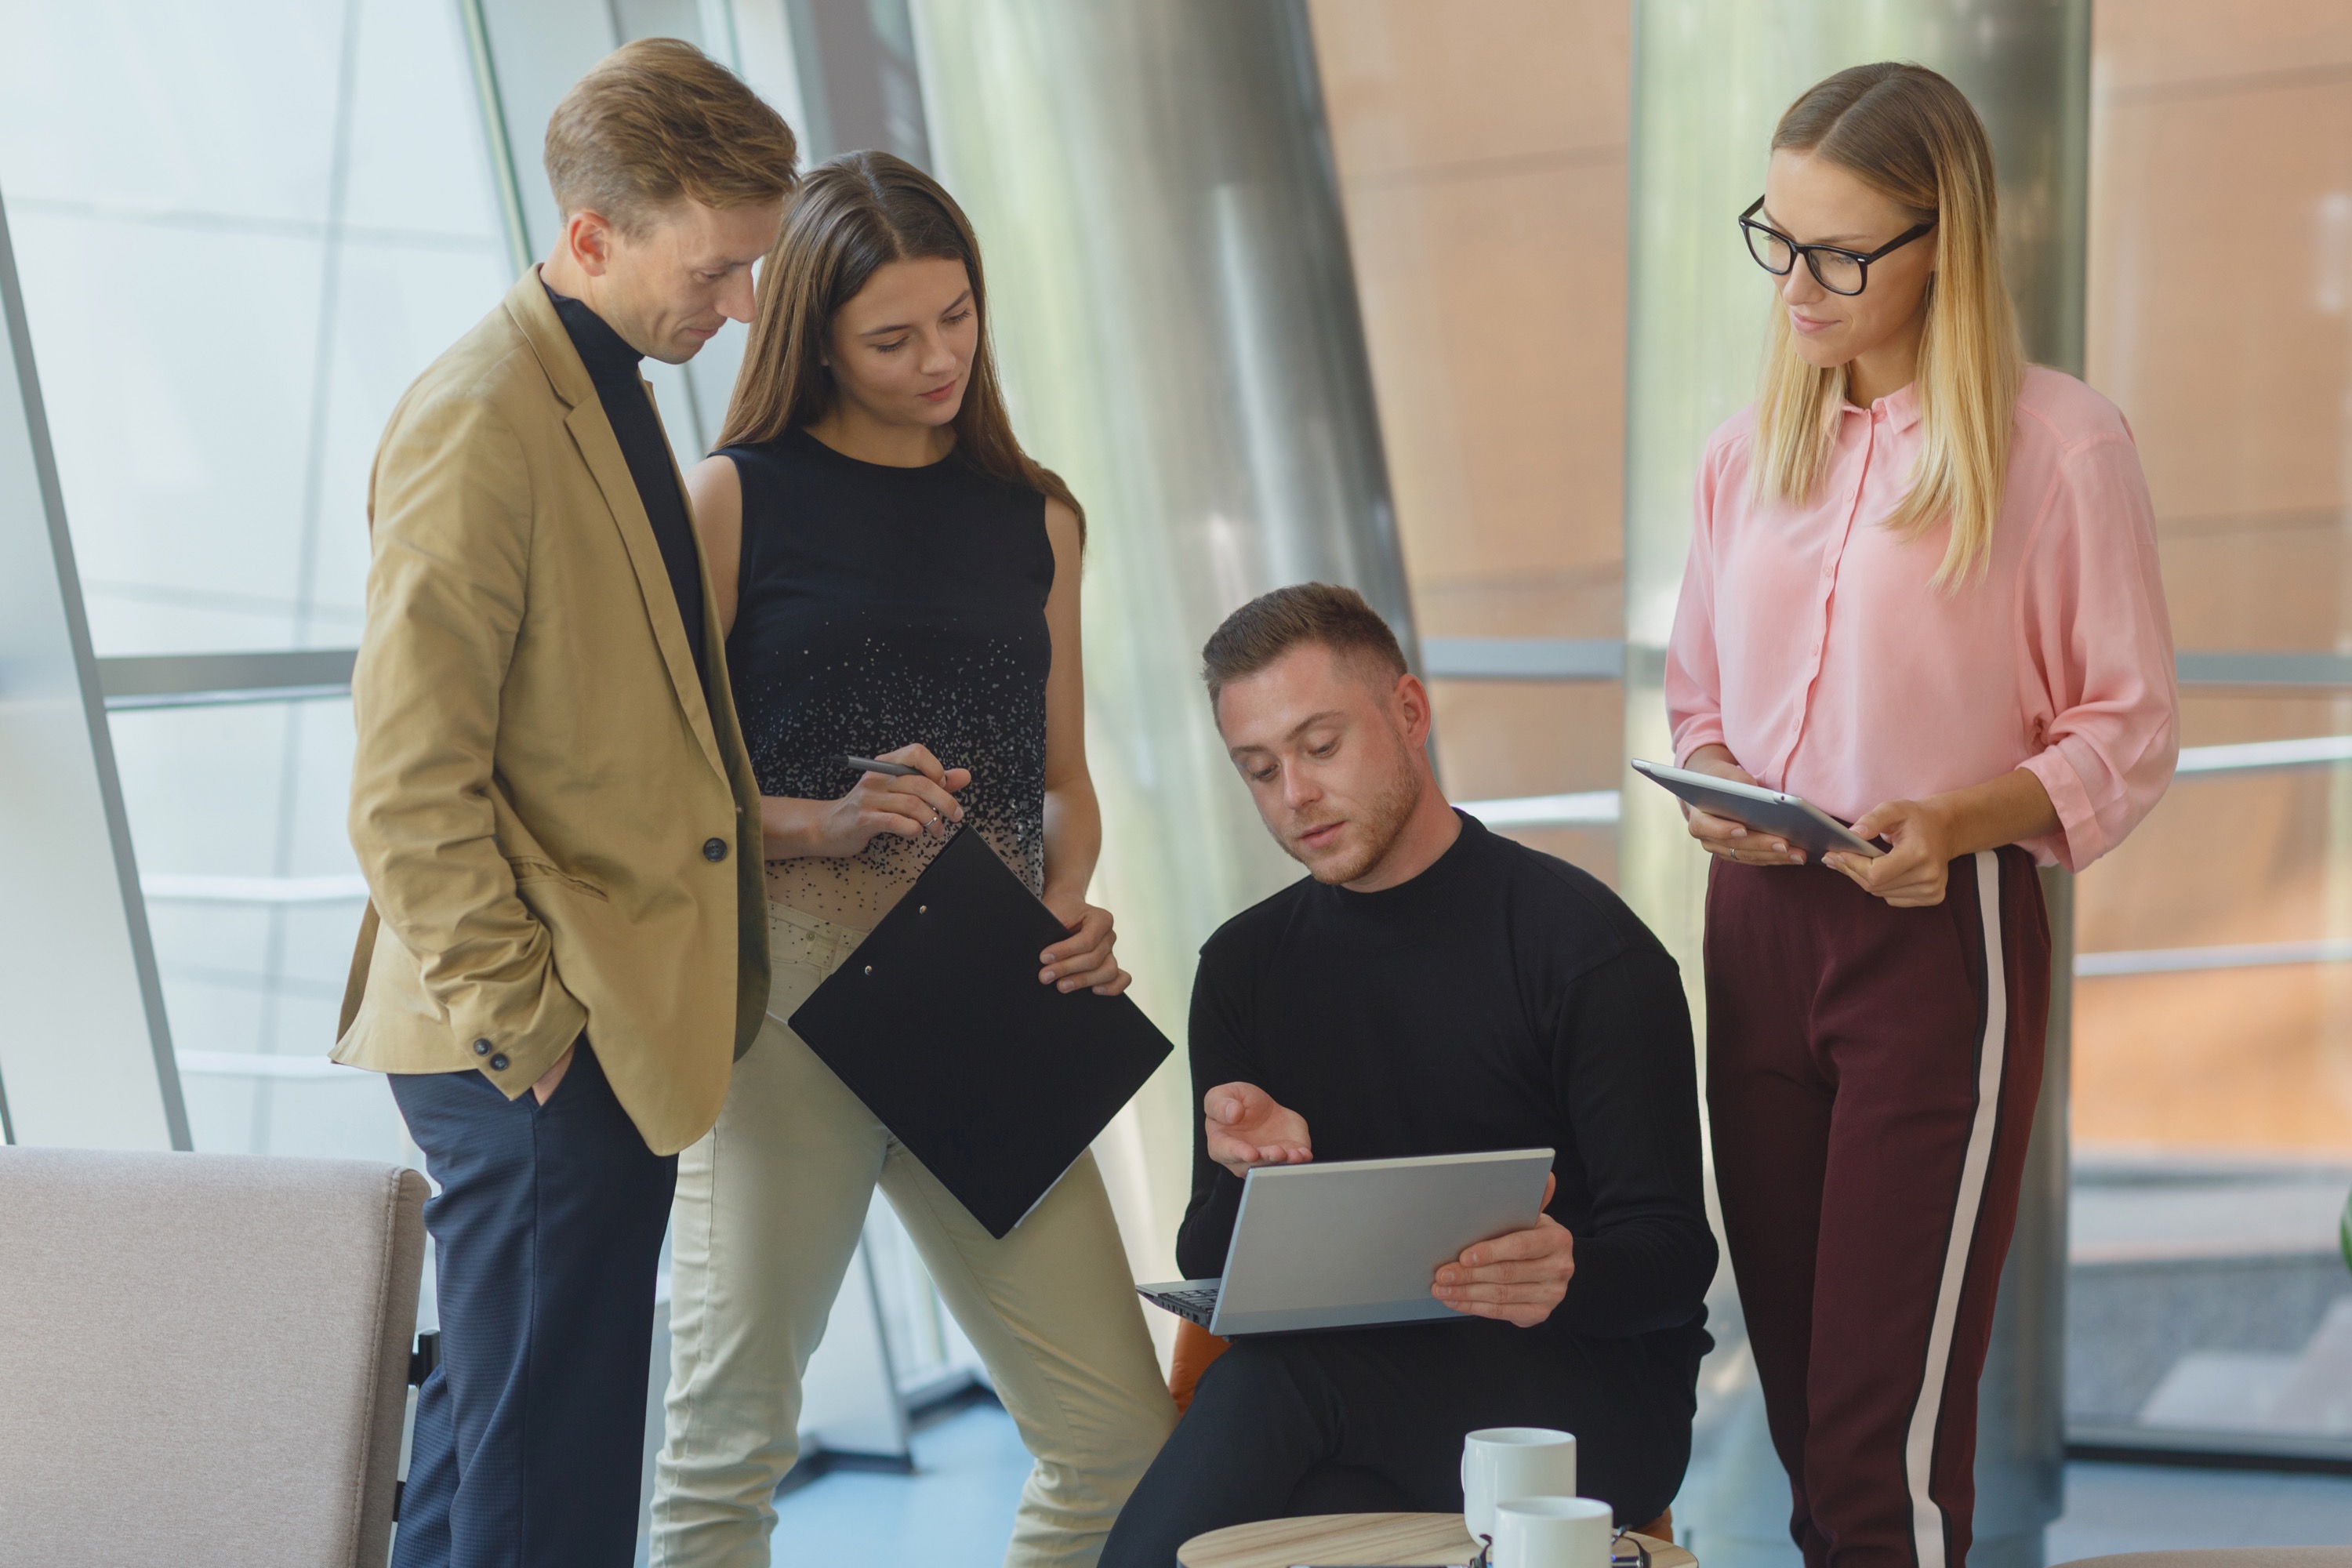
{"x":1838,"y":271}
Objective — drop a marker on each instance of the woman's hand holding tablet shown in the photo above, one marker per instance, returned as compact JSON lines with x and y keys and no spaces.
{"x":1735,"y":818}
{"x":1928,"y":834}
{"x":1724,"y":837}
{"x":1914,"y":873}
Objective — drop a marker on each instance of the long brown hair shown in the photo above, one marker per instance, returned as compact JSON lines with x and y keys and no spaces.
{"x":851,"y":217}
{"x":1911,"y":135}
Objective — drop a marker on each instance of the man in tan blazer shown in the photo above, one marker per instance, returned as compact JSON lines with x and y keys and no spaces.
{"x":565,"y":947}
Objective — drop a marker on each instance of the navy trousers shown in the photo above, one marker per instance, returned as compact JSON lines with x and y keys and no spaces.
{"x":530,"y":1437}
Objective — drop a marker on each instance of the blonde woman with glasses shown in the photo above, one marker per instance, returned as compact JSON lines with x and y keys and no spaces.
{"x":1923,"y":594}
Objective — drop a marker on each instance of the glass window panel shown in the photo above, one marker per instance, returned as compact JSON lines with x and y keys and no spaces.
{"x":419,"y":168}
{"x":242,"y":229}
{"x":406,"y":302}
{"x":2212,"y":1108}
{"x":219,"y":112}
{"x":236,"y":256}
{"x":180,"y":433}
{"x":253,"y":899}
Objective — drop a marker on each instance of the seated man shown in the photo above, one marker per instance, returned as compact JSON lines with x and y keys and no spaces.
{"x":1428,"y":989}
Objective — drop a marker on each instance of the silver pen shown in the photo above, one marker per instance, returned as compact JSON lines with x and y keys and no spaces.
{"x":872,"y":765}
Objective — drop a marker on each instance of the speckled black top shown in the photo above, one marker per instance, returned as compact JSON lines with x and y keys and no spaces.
{"x":878,"y":607}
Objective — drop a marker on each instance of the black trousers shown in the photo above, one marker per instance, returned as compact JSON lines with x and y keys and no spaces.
{"x":529,"y":1440}
{"x":1371,"y":1420}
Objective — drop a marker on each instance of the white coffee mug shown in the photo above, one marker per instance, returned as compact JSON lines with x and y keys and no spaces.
{"x":1552,"y":1533}
{"x":1500,"y":1462}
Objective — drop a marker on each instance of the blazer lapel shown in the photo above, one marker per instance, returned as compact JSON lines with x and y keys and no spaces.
{"x":592,"y":432}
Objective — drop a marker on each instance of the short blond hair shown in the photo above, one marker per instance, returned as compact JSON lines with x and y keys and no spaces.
{"x":1271,"y":625}
{"x":658,"y":121}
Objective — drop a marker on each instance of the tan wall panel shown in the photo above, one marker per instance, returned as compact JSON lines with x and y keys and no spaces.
{"x":1495,"y":308}
{"x":1481,"y":147}
{"x":2231,"y":1060}
{"x":1501,"y":738}
{"x":2156,"y":42}
{"x":2222,"y":860}
{"x":1422,"y":84}
{"x":2273,"y":581}
{"x":2221,"y":292}
{"x":2221,"y":321}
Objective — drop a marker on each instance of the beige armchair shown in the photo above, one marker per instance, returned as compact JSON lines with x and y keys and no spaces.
{"x":204,"y":1358}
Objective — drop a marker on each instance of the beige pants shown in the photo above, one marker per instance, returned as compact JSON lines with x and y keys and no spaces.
{"x":770,"y":1207}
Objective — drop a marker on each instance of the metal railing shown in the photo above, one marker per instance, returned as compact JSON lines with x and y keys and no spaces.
{"x":174,"y":680}
{"x":1592,"y":659}
{"x":194,"y":679}
{"x":1600,"y":808}
{"x":1603,"y":658}
{"x":166,"y":680}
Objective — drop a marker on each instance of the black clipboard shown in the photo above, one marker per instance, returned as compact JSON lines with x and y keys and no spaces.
{"x":995,"y":1081}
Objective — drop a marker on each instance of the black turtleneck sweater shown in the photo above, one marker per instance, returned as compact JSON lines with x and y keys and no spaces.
{"x":612,"y":366}
{"x":1502,"y":999}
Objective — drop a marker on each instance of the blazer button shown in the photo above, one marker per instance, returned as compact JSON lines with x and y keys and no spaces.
{"x":481,"y":1047}
{"x":499,"y":1062}
{"x":714,"y":849}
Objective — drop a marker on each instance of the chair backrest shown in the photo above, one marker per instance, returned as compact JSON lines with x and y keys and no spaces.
{"x":204,"y":1358}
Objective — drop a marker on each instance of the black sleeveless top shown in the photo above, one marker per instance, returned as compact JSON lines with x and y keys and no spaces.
{"x":881,"y":606}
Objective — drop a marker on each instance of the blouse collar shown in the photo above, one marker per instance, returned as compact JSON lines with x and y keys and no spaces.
{"x":1899,"y":408}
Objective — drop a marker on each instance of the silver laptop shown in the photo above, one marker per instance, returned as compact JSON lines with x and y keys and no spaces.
{"x":1355,"y":1242}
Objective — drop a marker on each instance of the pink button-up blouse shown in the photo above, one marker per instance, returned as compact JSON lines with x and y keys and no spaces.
{"x":1810,"y":641}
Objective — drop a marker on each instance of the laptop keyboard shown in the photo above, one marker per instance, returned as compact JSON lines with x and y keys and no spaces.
{"x":1199,"y":1305}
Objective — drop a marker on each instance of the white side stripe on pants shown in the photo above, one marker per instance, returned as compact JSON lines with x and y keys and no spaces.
{"x":1919,"y":1444}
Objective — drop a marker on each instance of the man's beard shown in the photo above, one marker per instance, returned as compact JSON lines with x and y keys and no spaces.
{"x":1382,"y":825}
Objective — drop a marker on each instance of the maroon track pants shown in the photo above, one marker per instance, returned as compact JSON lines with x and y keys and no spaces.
{"x":1871,"y":1078}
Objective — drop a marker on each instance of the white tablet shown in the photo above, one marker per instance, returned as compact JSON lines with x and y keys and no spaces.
{"x":1759,"y":810}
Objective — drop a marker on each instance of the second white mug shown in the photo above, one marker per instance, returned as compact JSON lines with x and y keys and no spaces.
{"x":1552,"y":1533}
{"x":1500,"y":1462}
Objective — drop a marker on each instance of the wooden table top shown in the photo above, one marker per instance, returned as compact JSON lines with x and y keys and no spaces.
{"x":1421,"y":1540}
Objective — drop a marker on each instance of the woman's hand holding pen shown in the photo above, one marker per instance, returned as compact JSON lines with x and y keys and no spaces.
{"x":912,"y":806}
{"x":1085,"y":958}
{"x":1726,"y":839}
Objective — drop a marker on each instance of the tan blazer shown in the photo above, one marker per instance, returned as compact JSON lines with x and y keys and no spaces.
{"x":557,"y":831}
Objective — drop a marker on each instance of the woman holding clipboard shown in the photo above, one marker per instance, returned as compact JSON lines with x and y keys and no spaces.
{"x":900,"y":585}
{"x":1922,"y":595}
